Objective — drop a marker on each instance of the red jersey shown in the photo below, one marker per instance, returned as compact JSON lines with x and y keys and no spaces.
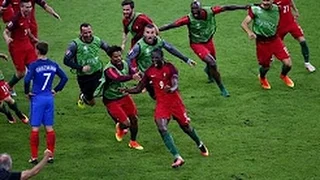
{"x":16,"y":6}
{"x":161,"y":78}
{"x":203,"y":15}
{"x":286,"y":16}
{"x":4,"y":90}
{"x":19,"y":27}
{"x":136,"y":26}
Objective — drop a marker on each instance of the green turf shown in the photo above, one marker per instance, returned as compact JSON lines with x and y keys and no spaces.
{"x":254,"y":134}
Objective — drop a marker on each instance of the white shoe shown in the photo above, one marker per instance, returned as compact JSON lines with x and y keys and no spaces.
{"x":309,"y":67}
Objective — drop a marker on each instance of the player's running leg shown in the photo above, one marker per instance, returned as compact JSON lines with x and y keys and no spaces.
{"x":305,"y":53}
{"x":13,"y":105}
{"x":162,"y":125}
{"x":4,"y":110}
{"x":133,"y":132}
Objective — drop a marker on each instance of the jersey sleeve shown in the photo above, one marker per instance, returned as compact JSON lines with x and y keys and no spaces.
{"x":182,"y":21}
{"x":14,"y":23}
{"x":5,"y":3}
{"x":112,"y":74}
{"x":28,"y":78}
{"x":41,"y":3}
{"x":63,"y":79}
{"x":250,"y":13}
{"x":216,"y":9}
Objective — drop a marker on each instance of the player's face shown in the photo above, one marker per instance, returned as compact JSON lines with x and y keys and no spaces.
{"x":267,"y":4}
{"x":149,"y":35}
{"x":26,"y":8}
{"x":116,"y":58}
{"x":157,"y":59}
{"x":195,"y":10}
{"x":86,"y":34}
{"x":127,"y":11}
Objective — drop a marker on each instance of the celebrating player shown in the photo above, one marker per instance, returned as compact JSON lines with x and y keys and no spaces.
{"x":288,"y":24}
{"x":42,"y":73}
{"x":83,"y":56}
{"x":34,"y":26}
{"x":120,"y":105}
{"x":141,"y":51}
{"x":265,"y":18}
{"x":20,"y":41}
{"x":201,"y":24}
{"x":168,"y":103}
{"x":6,"y":97}
{"x":133,"y":22}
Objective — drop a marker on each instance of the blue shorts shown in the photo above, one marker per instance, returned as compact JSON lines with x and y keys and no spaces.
{"x":42,"y":110}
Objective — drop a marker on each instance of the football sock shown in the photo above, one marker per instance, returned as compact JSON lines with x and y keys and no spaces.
{"x":5,"y":111}
{"x":14,"y":107}
{"x":168,"y":141}
{"x":285,"y":70}
{"x":34,"y":143}
{"x":263,"y":71}
{"x":51,"y":140}
{"x":14,"y":80}
{"x":122,"y":126}
{"x":305,"y":51}
{"x":133,"y":133}
{"x":194,"y":136}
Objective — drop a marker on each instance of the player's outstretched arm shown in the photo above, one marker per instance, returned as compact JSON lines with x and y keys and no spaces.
{"x":36,"y":169}
{"x":245,"y":26}
{"x":180,"y":22}
{"x":104,"y":46}
{"x":124,"y":40}
{"x":234,"y":7}
{"x":69,"y":57}
{"x":113,"y":74}
{"x":133,"y":54}
{"x":137,"y":89}
{"x":172,"y":50}
{"x":51,"y":11}
{"x":294,"y":8}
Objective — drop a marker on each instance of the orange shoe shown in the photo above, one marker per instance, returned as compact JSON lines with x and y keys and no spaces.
{"x":119,"y":133}
{"x":24,"y":119}
{"x":264,"y":82}
{"x":287,"y":81}
{"x":135,"y":145}
{"x":177,"y":162}
{"x":204,"y":150}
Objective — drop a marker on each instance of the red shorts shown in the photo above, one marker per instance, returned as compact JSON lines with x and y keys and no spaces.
{"x":294,"y":29}
{"x":22,"y":55}
{"x":4,"y":90}
{"x":122,"y":108}
{"x":204,"y":49}
{"x":175,"y":108}
{"x":266,"y":49}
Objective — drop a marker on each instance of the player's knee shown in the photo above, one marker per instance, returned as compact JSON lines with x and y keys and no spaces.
{"x":287,"y":62}
{"x":162,"y":127}
{"x":301,"y":39}
{"x":210,"y":60}
{"x":186,"y":128}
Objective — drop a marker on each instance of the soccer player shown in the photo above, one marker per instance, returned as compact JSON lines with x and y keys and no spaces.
{"x":201,"y":24}
{"x":265,"y":18}
{"x":288,"y":24}
{"x":119,"y":104}
{"x":168,"y":103}
{"x":42,"y":3}
{"x":6,"y":13}
{"x":20,"y":41}
{"x":141,"y":52}
{"x":6,"y":97}
{"x":133,"y":22}
{"x":83,"y":56}
{"x":42,"y":73}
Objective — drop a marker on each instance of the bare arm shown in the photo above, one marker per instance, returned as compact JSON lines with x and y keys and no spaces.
{"x":137,"y":89}
{"x":245,"y":26}
{"x":36,"y":169}
{"x":174,"y":84}
{"x":51,"y":11}
{"x":124,"y":40}
{"x":179,"y":22}
{"x":295,"y":9}
{"x":7,"y":36}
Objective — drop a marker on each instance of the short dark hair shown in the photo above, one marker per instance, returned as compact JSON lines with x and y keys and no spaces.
{"x":84,"y":25}
{"x":158,"y":51}
{"x":196,"y":3}
{"x":149,"y":26}
{"x":24,"y":1}
{"x":43,"y":48}
{"x":113,"y":49}
{"x":128,"y":2}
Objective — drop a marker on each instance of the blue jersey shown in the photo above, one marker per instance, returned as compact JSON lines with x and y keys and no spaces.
{"x":42,"y":73}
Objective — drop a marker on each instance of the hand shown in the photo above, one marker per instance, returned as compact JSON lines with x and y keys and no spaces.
{"x":53,"y":92}
{"x":86,"y":68}
{"x":123,"y":89}
{"x":47,"y":153}
{"x":167,"y":89}
{"x":252,"y":35}
{"x":8,"y":40}
{"x":28,"y":96}
{"x":136,"y":77}
{"x":56,"y":16}
{"x":191,"y":63}
{"x":4,"y":56}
